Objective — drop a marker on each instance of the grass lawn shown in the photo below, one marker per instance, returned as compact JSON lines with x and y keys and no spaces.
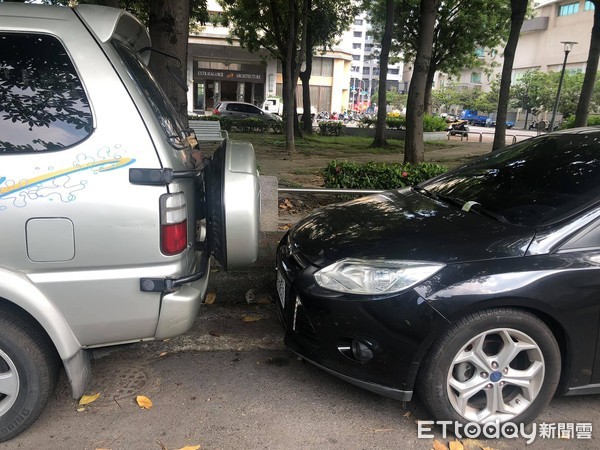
{"x":303,"y":167}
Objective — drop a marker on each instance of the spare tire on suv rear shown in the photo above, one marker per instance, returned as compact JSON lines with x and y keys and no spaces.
{"x":231,"y":204}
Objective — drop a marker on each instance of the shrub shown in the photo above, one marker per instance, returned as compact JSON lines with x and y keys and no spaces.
{"x":570,"y":122}
{"x":434,"y":123}
{"x":203,"y":117}
{"x":331,"y":128}
{"x":347,"y":175}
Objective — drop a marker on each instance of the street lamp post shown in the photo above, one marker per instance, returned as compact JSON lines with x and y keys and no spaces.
{"x":568,"y":47}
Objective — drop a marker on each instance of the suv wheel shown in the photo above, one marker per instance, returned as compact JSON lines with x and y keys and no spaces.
{"x":499,"y":365}
{"x":28,"y":374}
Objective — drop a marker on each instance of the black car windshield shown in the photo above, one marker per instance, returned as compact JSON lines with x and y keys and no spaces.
{"x":533,"y":183}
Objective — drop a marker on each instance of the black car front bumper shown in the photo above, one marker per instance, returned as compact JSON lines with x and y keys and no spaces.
{"x":322,"y":325}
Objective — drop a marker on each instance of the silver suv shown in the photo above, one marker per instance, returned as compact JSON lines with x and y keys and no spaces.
{"x":107,"y":226}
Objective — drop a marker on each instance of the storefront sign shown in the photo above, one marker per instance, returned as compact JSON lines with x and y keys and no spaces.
{"x":227,"y":75}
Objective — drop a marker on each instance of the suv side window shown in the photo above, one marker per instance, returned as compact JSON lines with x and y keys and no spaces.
{"x":43,"y":105}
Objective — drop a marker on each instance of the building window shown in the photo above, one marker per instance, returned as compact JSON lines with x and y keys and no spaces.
{"x":394,"y":71}
{"x":366,"y":70}
{"x":480,"y":53}
{"x":358,"y":34}
{"x":568,"y":9}
{"x":356,"y":46}
{"x":356,"y":57}
{"x":589,"y":6}
{"x":368,"y":47}
{"x":476,"y":77}
{"x":358,"y":21}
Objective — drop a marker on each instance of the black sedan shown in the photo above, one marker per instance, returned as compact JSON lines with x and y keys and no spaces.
{"x":478,"y":289}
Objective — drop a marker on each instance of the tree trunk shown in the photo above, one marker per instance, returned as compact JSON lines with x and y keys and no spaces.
{"x":428,"y":87}
{"x":414,"y":148}
{"x":169,"y":24}
{"x":386,"y":43}
{"x":305,"y":78}
{"x":583,"y":106}
{"x":518,"y":10}
{"x":289,"y":86}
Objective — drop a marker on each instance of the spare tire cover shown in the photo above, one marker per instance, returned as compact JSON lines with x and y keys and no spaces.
{"x":232,"y":204}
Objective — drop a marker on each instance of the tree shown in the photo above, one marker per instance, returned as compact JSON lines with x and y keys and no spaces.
{"x":278,"y":27}
{"x":327,"y":19}
{"x":463,"y":27}
{"x":583,"y":107}
{"x":414,"y":149}
{"x":168,"y":26}
{"x":527,"y":93}
{"x":386,"y":44}
{"x":518,"y":10}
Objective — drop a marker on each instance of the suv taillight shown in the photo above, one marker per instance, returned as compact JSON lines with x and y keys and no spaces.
{"x":216,"y":111}
{"x":173,"y":223}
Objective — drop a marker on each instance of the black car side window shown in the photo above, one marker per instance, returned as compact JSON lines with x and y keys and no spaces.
{"x":43,"y":105}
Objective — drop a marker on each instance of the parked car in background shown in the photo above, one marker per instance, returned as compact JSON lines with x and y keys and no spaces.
{"x":478,"y":289}
{"x":100,"y":201}
{"x":241,"y":110}
{"x":274,"y":105}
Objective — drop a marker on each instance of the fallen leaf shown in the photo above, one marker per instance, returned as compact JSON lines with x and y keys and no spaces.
{"x":210,"y":298}
{"x":407,"y":414}
{"x":161,"y":354}
{"x":143,"y":402}
{"x":251,"y":318}
{"x":456,"y":445}
{"x":80,"y":409}
{"x":191,"y":447}
{"x":437,"y":445}
{"x":87,"y":399}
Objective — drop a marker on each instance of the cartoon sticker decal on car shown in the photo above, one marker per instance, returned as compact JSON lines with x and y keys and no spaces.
{"x":40,"y":187}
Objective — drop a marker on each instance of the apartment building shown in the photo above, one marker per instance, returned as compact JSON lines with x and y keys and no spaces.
{"x":364,"y":72}
{"x":540,"y":44}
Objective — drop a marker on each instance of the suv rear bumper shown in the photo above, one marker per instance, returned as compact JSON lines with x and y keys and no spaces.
{"x":179,"y":309}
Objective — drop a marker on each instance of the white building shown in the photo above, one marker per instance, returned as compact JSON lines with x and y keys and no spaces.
{"x":364,"y":72}
{"x":219,"y":71}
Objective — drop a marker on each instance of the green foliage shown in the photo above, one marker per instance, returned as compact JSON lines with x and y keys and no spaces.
{"x":331,"y":128}
{"x":570,"y":122}
{"x":430,"y":123}
{"x":536,"y":90}
{"x":396,"y":123}
{"x":434,"y":123}
{"x":371,"y":175}
{"x":248,"y":125}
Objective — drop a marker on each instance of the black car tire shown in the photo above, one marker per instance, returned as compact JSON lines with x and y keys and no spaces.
{"x":436,"y":384}
{"x":26,"y":352}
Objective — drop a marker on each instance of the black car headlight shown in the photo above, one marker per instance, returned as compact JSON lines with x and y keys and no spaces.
{"x":372,"y":277}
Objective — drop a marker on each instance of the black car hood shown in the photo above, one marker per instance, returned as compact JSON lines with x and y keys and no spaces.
{"x":406,"y":225}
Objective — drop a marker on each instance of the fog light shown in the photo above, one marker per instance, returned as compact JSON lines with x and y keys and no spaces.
{"x":361,"y":351}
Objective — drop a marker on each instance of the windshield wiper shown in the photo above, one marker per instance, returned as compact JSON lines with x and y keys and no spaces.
{"x":469,"y":206}
{"x":477,"y":208}
{"x":440,"y":197}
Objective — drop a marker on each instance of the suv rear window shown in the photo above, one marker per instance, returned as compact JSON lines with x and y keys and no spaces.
{"x":43,"y":105}
{"x":161,"y":106}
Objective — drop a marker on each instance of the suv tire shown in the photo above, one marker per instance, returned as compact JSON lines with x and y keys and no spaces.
{"x":28,"y":373}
